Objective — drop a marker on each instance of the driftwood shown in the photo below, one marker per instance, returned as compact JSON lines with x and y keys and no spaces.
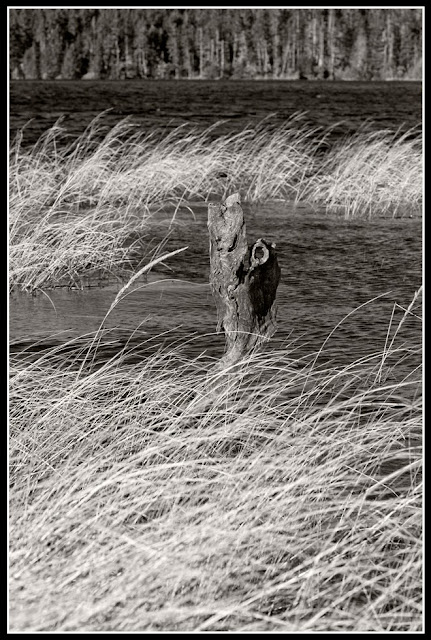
{"x":243,"y":280}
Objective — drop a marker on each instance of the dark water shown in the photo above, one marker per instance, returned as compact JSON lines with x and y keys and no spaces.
{"x":329,"y":266}
{"x":151,"y":103}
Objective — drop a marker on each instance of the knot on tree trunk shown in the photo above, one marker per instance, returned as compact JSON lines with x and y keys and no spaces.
{"x":243,"y":280}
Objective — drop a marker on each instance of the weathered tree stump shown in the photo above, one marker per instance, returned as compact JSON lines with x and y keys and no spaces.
{"x":243,"y":280}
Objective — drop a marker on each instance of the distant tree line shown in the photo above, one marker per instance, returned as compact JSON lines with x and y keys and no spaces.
{"x":340,"y":44}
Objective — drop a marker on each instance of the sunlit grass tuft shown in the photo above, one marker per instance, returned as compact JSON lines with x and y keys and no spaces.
{"x":84,"y":206}
{"x":127,"y":166}
{"x":371,"y":174}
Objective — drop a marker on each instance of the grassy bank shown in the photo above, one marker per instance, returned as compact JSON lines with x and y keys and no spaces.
{"x":83,"y":207}
{"x":160,"y":496}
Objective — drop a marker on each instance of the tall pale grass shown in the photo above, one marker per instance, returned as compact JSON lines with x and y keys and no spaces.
{"x":74,"y":206}
{"x":80,"y":207}
{"x":127,"y":166}
{"x":288,"y":501}
{"x":371,"y":174}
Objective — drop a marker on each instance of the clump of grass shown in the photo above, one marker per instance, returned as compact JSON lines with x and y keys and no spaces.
{"x":56,"y":250}
{"x":369,"y":174}
{"x":74,"y":206}
{"x":124,"y":165}
{"x":364,"y":174}
{"x":288,"y":500}
{"x":56,"y":237}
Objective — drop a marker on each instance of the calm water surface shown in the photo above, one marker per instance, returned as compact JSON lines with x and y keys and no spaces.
{"x":329,"y":266}
{"x":167,"y":104}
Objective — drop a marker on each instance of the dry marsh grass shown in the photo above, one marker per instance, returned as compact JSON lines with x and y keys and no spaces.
{"x":289,"y":499}
{"x":74,"y":206}
{"x":371,"y":174}
{"x":159,"y":496}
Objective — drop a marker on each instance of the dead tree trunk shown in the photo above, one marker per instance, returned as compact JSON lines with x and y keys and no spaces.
{"x":243,"y":281}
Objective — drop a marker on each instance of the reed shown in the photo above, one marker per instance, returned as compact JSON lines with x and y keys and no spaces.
{"x":288,"y":501}
{"x":371,"y":174}
{"x":125,"y":166}
{"x":85,"y":206}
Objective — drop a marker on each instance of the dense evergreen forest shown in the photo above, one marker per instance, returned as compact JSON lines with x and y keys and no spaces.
{"x":337,"y":44}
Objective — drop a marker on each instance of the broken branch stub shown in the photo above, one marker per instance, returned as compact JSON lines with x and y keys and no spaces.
{"x":243,"y":281}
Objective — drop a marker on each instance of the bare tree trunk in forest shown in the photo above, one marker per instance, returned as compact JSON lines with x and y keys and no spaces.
{"x":314,"y":35}
{"x":285,"y":61}
{"x":142,"y":64}
{"x":276,"y":56}
{"x":217,"y":49}
{"x":331,"y":42}
{"x":258,"y":56}
{"x":37,"y":64}
{"x":201,"y":52}
{"x":265,"y":61}
{"x":212,"y":51}
{"x":388,"y":63}
{"x":321,"y":63}
{"x":275,"y":43}
{"x":296,"y":46}
{"x":187,"y":60}
{"x":221,"y":58}
{"x":117,"y":58}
